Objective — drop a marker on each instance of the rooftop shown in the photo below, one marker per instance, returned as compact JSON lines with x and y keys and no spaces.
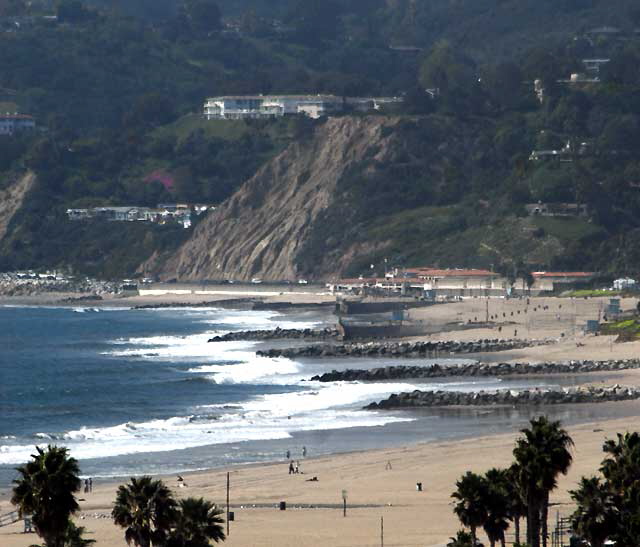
{"x":272,"y":97}
{"x":8,"y":116}
{"x":456,"y":272}
{"x":563,"y":274}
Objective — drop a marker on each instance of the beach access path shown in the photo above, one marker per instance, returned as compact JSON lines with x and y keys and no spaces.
{"x":411,"y":518}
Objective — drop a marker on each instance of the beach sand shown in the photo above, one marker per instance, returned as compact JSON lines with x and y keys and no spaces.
{"x":411,"y":518}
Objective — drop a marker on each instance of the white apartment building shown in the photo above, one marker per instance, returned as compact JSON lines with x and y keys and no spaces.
{"x":271,"y":106}
{"x":13,"y":123}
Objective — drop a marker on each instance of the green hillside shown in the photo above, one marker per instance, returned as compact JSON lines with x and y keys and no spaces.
{"x":117,"y":89}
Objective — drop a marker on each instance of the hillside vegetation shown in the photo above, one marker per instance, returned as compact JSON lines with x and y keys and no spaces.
{"x":117,"y":87}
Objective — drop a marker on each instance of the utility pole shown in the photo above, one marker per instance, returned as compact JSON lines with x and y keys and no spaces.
{"x":228,"y":481}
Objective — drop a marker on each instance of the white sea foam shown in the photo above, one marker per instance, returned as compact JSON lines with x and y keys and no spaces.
{"x":265,"y":417}
{"x":253,"y":370}
{"x":177,"y":348}
{"x":259,"y":320}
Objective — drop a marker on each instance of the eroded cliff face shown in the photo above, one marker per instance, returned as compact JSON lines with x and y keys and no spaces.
{"x":11,"y":199}
{"x":261,"y":230}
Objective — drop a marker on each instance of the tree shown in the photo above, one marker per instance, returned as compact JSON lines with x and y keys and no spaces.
{"x":497,"y":504}
{"x":595,"y":516}
{"x":516,"y":507}
{"x":470,"y":506}
{"x":542,"y":453}
{"x":453,"y":75}
{"x":315,"y":21}
{"x":462,"y":539}
{"x":204,"y":15}
{"x":198,"y":523}
{"x":11,"y":8}
{"x":45,"y":490}
{"x":72,"y":11}
{"x":621,"y":470}
{"x":503,"y":85}
{"x":145,"y":508}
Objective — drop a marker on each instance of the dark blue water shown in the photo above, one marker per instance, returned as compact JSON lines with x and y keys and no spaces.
{"x":141,"y":391}
{"x":57,"y":373}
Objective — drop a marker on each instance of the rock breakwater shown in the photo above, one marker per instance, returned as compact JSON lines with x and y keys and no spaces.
{"x":475,"y":370}
{"x":402,"y":349}
{"x":419,"y":399}
{"x":278,"y":334}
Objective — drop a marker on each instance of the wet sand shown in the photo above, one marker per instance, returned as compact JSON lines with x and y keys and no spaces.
{"x":411,"y":518}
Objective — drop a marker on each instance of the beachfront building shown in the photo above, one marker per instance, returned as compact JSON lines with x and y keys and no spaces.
{"x":236,"y":107}
{"x":433,"y":282}
{"x":556,"y":281}
{"x":458,"y":282}
{"x":16,"y":123}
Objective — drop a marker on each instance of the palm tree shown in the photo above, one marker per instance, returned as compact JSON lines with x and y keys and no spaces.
{"x":621,"y":466}
{"x":516,"y":506}
{"x":146,"y":509}
{"x":45,"y":490}
{"x":497,"y":504}
{"x":595,"y":516}
{"x":462,"y":539}
{"x":621,"y":470}
{"x":198,"y":523}
{"x":542,"y":454}
{"x":470,"y":508}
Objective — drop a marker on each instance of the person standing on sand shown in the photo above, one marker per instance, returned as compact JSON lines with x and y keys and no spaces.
{"x":304,"y":451}
{"x":291,"y":468}
{"x":297,"y":470}
{"x":90,"y":484}
{"x":288,"y":455}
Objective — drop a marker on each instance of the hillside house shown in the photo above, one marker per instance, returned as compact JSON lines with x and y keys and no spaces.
{"x":593,"y":66}
{"x":159,"y":215}
{"x":16,"y":123}
{"x":557,"y":209}
{"x":270,"y":106}
{"x":277,"y":106}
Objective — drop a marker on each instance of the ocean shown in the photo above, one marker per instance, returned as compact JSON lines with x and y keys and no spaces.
{"x":142,"y":391}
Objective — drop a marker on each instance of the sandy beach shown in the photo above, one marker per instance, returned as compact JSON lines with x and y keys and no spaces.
{"x":411,"y":518}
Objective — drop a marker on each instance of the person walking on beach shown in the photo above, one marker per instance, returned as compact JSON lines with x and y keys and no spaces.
{"x":90,"y":484}
{"x":304,"y":451}
{"x":291,"y":468}
{"x":86,"y":486}
{"x":297,"y":470}
{"x":288,"y":456}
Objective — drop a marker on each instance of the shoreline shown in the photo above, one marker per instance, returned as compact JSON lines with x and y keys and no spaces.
{"x":478,"y":445}
{"x":373,"y":491}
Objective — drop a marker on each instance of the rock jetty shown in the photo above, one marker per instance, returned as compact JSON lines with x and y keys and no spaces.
{"x":474,"y":370}
{"x":419,"y":399}
{"x":278,"y":334}
{"x":402,"y":349}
